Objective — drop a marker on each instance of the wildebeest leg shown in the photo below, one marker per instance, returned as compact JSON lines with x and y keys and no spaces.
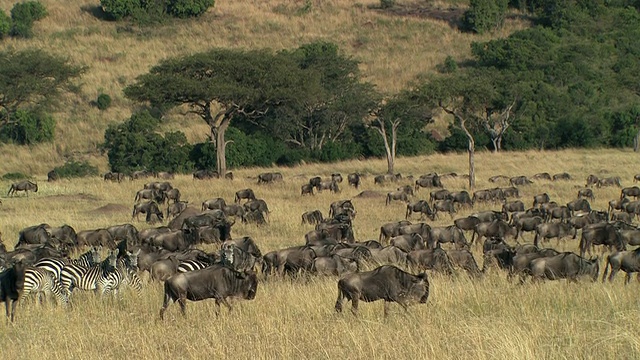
{"x":627,"y":278}
{"x":165,"y":305}
{"x":14,"y":304}
{"x":182,"y":301}
{"x":386,"y":309}
{"x":354,"y":306}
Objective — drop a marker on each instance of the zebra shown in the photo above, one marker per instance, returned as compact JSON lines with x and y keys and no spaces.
{"x":40,"y":282}
{"x":89,"y":278}
{"x":124,"y":275}
{"x":192,"y":265}
{"x":55,"y":265}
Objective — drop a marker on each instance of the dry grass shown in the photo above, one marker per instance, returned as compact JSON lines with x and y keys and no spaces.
{"x":485,"y":319}
{"x":393,"y":48}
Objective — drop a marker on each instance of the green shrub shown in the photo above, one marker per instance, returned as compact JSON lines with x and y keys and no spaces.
{"x":103,"y":102}
{"x":14,"y":176}
{"x":188,"y":8}
{"x":29,"y":127}
{"x":24,"y":15}
{"x":485,"y":15}
{"x":386,"y":4}
{"x":75,"y":169}
{"x":5,"y":24}
{"x":120,"y":9}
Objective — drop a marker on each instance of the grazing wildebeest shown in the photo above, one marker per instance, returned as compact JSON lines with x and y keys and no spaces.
{"x":600,"y":234}
{"x":558,"y":212}
{"x":465,"y":260}
{"x":342,"y":207}
{"x":173,"y":194}
{"x":513,"y":206}
{"x":114,"y":176}
{"x":627,"y":261}
{"x":462,"y":198}
{"x":467,"y":223}
{"x":294,"y":260}
{"x":334,"y":265}
{"x":397,"y":195}
{"x":408,"y":242}
{"x":630,"y":191}
{"x":542,"y":176}
{"x":306,"y":189}
{"x":381,"y":179}
{"x":11,"y":287}
{"x":441,"y":194}
{"x":140,"y":174}
{"x":553,"y":230}
{"x":431,"y":259}
{"x":160,"y":186}
{"x":151,"y":195}
{"x":389,"y":255}
{"x":561,"y":176}
{"x":522,"y":261}
{"x":407,"y":189}
{"x":266,"y":178}
{"x":503,"y":257}
{"x":217,"y":282}
{"x":564,"y":266}
{"x":36,"y":234}
{"x":330,"y":185}
{"x":254,"y":217}
{"x":592,"y":180}
{"x":391,"y":229}
{"x":618,"y":205}
{"x":205,"y":174}
{"x":244,"y":194}
{"x":25,"y":186}
{"x":581,"y":205}
{"x":519,"y":181}
{"x":497,"y":228}
{"x":213,"y":204}
{"x":312,"y":217}
{"x":541,"y":199}
{"x":150,"y":208}
{"x":632,"y":207}
{"x":52,"y":176}
{"x":354,"y":179}
{"x":427,"y":181}
{"x":610,"y":181}
{"x":481,"y":196}
{"x":64,"y":234}
{"x":497,"y":178}
{"x":490,"y":215}
{"x":527,"y":224}
{"x":422,"y":207}
{"x":257,"y":205}
{"x":387,"y":283}
{"x":176,"y":208}
{"x":630,"y":236}
{"x":235,"y":210}
{"x":444,"y":206}
{"x":511,"y":192}
{"x":621,"y":216}
{"x":586,"y":193}
{"x":446,"y":234}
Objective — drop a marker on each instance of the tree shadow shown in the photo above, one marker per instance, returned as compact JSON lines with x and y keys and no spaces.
{"x":96,"y":12}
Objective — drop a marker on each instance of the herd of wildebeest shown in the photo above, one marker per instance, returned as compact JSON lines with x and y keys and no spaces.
{"x":40,"y":261}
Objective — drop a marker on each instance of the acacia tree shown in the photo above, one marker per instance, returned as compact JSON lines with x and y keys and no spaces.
{"x":223,"y":84}
{"x":395,"y":113}
{"x":32,"y":78}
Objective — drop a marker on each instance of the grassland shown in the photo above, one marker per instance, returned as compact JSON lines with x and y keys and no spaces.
{"x":392,"y":46}
{"x":490,"y":318}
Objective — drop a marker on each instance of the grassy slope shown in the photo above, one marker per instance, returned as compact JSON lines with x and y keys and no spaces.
{"x":487,"y":319}
{"x":392,"y":49}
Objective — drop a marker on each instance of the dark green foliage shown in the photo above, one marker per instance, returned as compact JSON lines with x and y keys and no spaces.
{"x":135,"y":145}
{"x":386,"y":4}
{"x":14,"y":176}
{"x":449,"y":65}
{"x":120,"y":9}
{"x":485,"y":15}
{"x":5,"y":24}
{"x":188,"y":8}
{"x":28,"y":127}
{"x":23,"y":16}
{"x":76,"y":169}
{"x":103,"y":102}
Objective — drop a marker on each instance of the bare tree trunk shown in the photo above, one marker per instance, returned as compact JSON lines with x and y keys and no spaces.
{"x":471,"y":149}
{"x":496,"y":148}
{"x":221,"y":148}
{"x":636,"y":142}
{"x":390,"y":149}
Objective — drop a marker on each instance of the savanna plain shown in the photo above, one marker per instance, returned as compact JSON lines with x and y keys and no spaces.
{"x":486,"y":318}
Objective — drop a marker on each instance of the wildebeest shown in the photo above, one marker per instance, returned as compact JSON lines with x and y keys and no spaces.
{"x":519,"y":181}
{"x":257,"y":205}
{"x":429,"y":180}
{"x":511,"y":192}
{"x":173,"y":194}
{"x":354,"y":180}
{"x":52,"y":176}
{"x":467,"y":223}
{"x":627,"y":261}
{"x":266,"y":178}
{"x":334,"y":265}
{"x":462,"y":198}
{"x":25,"y":186}
{"x":431,"y":259}
{"x":561,"y":176}
{"x":96,"y":237}
{"x":149,"y":208}
{"x":444,"y":206}
{"x":64,"y":234}
{"x":387,"y":283}
{"x":114,"y":176}
{"x":490,"y":215}
{"x":389,"y":255}
{"x":522,"y":261}
{"x":381,"y":179}
{"x":513,"y":206}
{"x":234,"y":210}
{"x":11,"y":287}
{"x":527,"y":224}
{"x":630,"y":191}
{"x":140,"y":174}
{"x":312,"y":217}
{"x":212,"y":204}
{"x":592,"y":180}
{"x":150,"y":194}
{"x":618,"y":204}
{"x":337,"y":177}
{"x":205,"y":174}
{"x":542,"y":176}
{"x":610,"y":181}
{"x":581,"y":205}
{"x":541,"y":199}
{"x":558,"y":212}
{"x":330,"y":185}
{"x":36,"y":234}
{"x":176,"y":208}
{"x":237,"y":258}
{"x":600,"y":234}
{"x":586,"y":193}
{"x":422,"y":207}
{"x":497,"y":178}
{"x":553,"y":230}
{"x":306,"y":189}
{"x":446,"y":234}
{"x":441,"y":194}
{"x":497,"y":228}
{"x":254,"y":217}
{"x":408,"y":242}
{"x":465,"y":260}
{"x":217,"y":282}
{"x":391,"y":229}
{"x":244,"y":194}
{"x":564,"y":266}
{"x":342,"y":207}
{"x":397,"y":195}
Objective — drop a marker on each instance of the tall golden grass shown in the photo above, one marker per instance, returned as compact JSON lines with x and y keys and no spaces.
{"x":490,"y":318}
{"x":392,"y":50}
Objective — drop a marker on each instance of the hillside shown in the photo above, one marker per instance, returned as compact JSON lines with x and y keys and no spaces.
{"x":393,"y":46}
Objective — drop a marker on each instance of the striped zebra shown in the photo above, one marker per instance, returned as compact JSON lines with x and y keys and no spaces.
{"x":55,"y":265}
{"x":192,"y":265}
{"x":89,"y":278}
{"x":41,"y":282}
{"x":124,"y":275}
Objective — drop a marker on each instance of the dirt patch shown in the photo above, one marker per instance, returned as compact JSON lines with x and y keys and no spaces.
{"x":109,"y":208}
{"x":371,"y":194}
{"x":74,"y":197}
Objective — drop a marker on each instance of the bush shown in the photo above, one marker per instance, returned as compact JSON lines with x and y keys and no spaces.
{"x":30,"y":127}
{"x":188,"y":8}
{"x":24,"y":15}
{"x":5,"y":24}
{"x":14,"y":176}
{"x":103,"y":102}
{"x":386,"y":4}
{"x":75,"y":169}
{"x":485,"y":15}
{"x":120,"y":9}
